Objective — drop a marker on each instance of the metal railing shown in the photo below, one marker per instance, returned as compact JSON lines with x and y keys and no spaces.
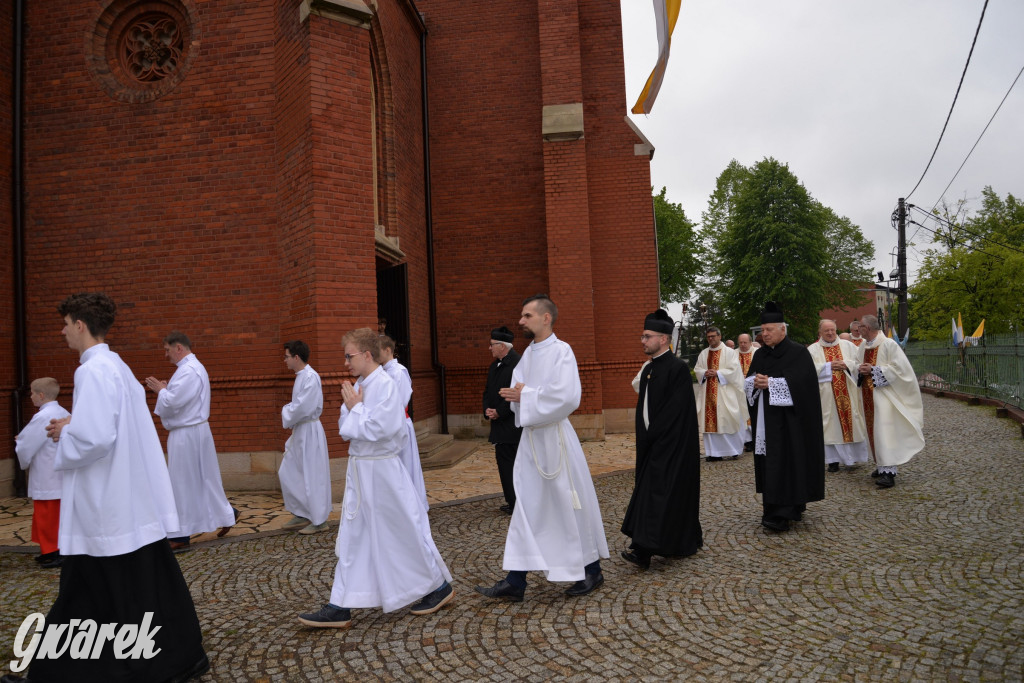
{"x":993,"y":369}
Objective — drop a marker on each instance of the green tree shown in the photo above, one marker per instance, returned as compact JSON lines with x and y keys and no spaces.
{"x":677,"y":265}
{"x":975,"y":267}
{"x":768,"y":239}
{"x":847,"y":255}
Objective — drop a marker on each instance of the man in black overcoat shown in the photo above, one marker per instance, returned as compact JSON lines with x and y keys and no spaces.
{"x":662,"y":517}
{"x":504,"y":433}
{"x":785,"y":417}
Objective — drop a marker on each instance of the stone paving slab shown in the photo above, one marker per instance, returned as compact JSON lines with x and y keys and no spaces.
{"x":922,"y":582}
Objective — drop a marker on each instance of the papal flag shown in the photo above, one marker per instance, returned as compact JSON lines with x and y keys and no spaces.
{"x":976,"y":337}
{"x":665,"y":14}
{"x":958,"y":332}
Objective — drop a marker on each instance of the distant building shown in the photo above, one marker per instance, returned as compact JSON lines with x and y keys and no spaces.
{"x":876,"y":299}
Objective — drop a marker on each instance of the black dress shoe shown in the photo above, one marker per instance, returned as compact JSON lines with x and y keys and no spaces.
{"x":503,"y":590}
{"x":53,"y":562}
{"x":588,"y":585}
{"x":712,"y":458}
{"x":775,"y":524}
{"x":885,"y":480}
{"x":638,"y":560}
{"x":833,"y":467}
{"x":874,"y":475}
{"x":507,"y":509}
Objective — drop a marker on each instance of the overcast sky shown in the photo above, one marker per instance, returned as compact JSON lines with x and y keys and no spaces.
{"x":852,"y":95}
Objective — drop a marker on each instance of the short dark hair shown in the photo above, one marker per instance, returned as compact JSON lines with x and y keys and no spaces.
{"x":386,"y":342}
{"x":178,"y":338}
{"x":95,"y":309}
{"x":713,"y":329}
{"x":298,"y":348}
{"x":545,"y":304}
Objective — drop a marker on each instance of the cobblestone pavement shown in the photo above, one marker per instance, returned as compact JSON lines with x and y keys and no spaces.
{"x":919,"y":582}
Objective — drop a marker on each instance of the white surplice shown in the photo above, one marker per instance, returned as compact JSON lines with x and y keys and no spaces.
{"x":732,"y":408}
{"x":116,"y":495}
{"x":37,"y":453}
{"x":836,"y":449}
{"x":399,"y":374}
{"x":184,"y":410}
{"x":385,"y":559}
{"x":305,"y":471}
{"x":556,"y":525}
{"x":899,"y":413}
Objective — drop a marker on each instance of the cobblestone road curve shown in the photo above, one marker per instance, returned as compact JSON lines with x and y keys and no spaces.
{"x":919,"y":582}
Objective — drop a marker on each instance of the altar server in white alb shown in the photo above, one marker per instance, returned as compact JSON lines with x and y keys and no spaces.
{"x":37,"y":454}
{"x":842,"y":413}
{"x":399,"y":374}
{"x":116,"y":509}
{"x":721,"y":407}
{"x":556,"y":524}
{"x":384,"y":558}
{"x":305,"y":471}
{"x":183,"y":404}
{"x":892,"y":402}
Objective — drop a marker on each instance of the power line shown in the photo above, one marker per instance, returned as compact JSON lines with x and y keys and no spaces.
{"x":957,"y":94}
{"x":969,"y":247}
{"x":979,"y":137}
{"x":964,"y":228}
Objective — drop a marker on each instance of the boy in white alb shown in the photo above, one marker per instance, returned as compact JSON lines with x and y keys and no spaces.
{"x":384,"y":559}
{"x":37,"y":454}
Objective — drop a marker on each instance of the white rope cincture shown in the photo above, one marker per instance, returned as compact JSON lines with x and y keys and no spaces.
{"x":563,"y":461}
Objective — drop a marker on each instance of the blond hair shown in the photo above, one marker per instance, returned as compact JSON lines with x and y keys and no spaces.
{"x":365,"y":339}
{"x":47,"y":386}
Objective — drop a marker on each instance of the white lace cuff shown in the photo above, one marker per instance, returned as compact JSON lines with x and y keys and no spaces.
{"x":750,"y":391}
{"x":878,"y":377}
{"x":721,"y":377}
{"x":778,"y":392}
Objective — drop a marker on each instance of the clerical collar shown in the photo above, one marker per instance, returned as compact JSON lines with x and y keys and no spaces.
{"x":825,"y":343}
{"x":856,"y":336}
{"x":872,"y":343}
{"x":717,"y":348}
{"x":550,"y":340}
{"x":185,"y":359}
{"x":750,"y":350}
{"x":660,"y":354}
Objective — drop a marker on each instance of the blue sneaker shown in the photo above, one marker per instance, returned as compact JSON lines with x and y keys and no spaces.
{"x":329,"y":616}
{"x":434,"y":600}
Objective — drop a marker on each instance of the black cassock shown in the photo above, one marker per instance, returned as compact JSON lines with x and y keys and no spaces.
{"x":792,"y":471}
{"x":662,"y":516}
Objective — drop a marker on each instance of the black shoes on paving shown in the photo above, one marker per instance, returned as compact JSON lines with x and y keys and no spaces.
{"x":588,"y":585}
{"x":506,"y":508}
{"x":833,"y":467}
{"x":885,"y":480}
{"x":328,"y":616}
{"x":632,"y":557}
{"x":50,"y":560}
{"x":775,"y":524}
{"x":503,"y":590}
{"x":434,"y":600}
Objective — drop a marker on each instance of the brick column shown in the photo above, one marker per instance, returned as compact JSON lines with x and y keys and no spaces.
{"x":570,"y":273}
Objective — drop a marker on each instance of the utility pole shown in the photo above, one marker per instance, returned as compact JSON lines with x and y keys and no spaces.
{"x":901,"y":265}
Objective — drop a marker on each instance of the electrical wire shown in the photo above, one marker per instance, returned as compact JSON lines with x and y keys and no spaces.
{"x":942,"y":194}
{"x":969,"y":247}
{"x":963,"y":228}
{"x":955,"y":96}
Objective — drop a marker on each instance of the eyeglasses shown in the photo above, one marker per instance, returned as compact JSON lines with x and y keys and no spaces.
{"x":350,"y":356}
{"x":645,"y":337}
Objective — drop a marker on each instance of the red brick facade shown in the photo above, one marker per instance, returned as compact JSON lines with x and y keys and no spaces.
{"x":240,"y":206}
